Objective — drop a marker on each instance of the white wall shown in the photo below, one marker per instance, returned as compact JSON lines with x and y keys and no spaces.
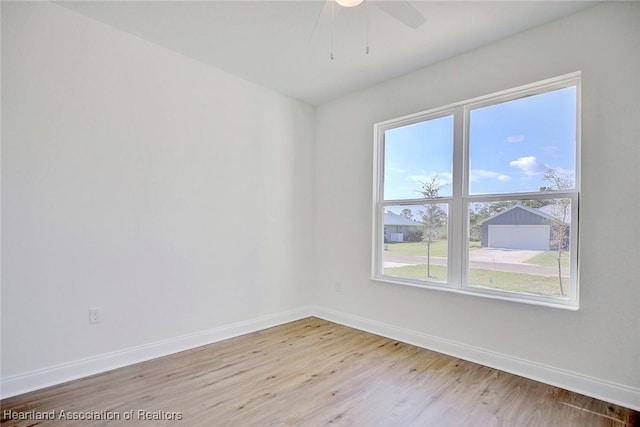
{"x":171,"y":195}
{"x":601,"y":340}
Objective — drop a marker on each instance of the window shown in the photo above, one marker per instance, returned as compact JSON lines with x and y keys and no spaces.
{"x":481,"y":197}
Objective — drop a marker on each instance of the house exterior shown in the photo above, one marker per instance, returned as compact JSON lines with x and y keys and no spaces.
{"x":397,"y":228}
{"x":521,"y":227}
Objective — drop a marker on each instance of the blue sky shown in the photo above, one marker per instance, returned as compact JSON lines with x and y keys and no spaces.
{"x":511,"y":145}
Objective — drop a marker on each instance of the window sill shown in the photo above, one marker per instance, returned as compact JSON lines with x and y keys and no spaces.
{"x":482,"y":293}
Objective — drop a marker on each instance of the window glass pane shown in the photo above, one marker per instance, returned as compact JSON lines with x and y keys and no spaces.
{"x":514,"y":145}
{"x":415,"y":242}
{"x":417,"y":155}
{"x":521,"y":246}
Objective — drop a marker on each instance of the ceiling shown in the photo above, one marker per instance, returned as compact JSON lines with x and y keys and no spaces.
{"x":272,"y":43}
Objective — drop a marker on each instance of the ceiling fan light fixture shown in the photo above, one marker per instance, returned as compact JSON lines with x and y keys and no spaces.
{"x":349,"y":3}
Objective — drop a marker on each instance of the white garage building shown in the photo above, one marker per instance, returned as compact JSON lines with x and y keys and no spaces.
{"x":518,"y":227}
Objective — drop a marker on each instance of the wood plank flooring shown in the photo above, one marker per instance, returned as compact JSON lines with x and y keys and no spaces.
{"x":310,"y":373}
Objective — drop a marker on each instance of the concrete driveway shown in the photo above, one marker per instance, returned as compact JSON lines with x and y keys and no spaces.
{"x":510,"y":256}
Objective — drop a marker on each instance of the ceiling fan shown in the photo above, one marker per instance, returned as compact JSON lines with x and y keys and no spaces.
{"x":401,"y":10}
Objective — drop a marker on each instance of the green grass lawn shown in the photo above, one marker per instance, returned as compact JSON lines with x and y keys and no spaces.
{"x":419,"y":271}
{"x":503,"y":280}
{"x":516,"y":282}
{"x":438,"y":248}
{"x":550,"y":259}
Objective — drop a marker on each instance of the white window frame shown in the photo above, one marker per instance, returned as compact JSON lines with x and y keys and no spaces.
{"x":458,"y":202}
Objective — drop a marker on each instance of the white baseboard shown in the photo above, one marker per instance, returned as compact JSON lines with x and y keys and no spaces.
{"x":594,"y":387}
{"x":609,"y":392}
{"x":41,"y":378}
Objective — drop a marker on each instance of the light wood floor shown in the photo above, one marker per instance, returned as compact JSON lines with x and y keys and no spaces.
{"x":312,"y":373}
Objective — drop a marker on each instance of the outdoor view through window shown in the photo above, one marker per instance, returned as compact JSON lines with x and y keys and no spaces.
{"x":492,"y":211}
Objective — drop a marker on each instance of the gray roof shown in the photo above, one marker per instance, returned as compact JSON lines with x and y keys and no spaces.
{"x":550,"y":212}
{"x":391,"y":218}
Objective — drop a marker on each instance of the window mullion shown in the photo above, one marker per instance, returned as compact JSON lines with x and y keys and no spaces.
{"x":456,"y":230}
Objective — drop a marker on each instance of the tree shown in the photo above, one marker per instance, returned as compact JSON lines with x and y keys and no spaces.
{"x":483,"y":211}
{"x":560,"y":213}
{"x":407,"y":213}
{"x":434,"y":217}
{"x":535,"y":204}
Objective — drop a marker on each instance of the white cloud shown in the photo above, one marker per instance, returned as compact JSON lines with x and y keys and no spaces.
{"x":478,"y":174}
{"x":529,"y":165}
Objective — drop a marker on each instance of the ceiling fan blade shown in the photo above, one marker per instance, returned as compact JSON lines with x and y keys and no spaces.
{"x":315,"y":26}
{"x":404,"y":12}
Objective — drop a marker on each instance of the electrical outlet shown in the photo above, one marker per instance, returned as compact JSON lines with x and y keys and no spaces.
{"x":95,"y":315}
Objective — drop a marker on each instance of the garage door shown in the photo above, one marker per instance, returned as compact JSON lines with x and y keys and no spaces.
{"x":532,"y":237}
